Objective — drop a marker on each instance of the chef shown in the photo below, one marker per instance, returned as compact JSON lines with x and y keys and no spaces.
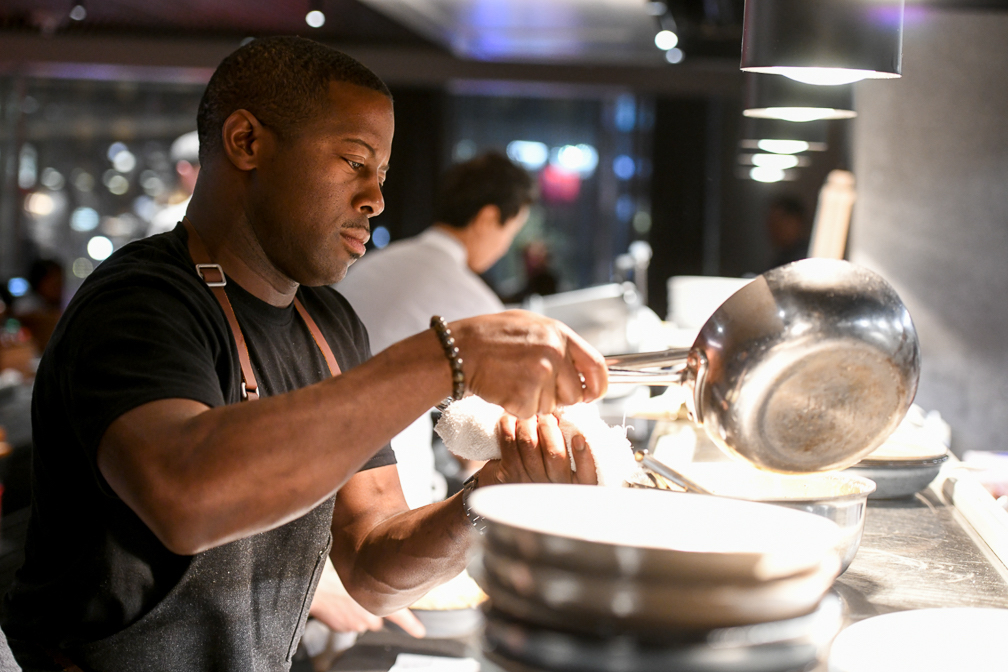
{"x":208,"y":421}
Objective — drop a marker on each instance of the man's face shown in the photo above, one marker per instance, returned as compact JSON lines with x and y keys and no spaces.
{"x":312,"y":197}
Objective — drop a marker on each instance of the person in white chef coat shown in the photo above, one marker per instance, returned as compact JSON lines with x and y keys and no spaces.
{"x":480,"y":206}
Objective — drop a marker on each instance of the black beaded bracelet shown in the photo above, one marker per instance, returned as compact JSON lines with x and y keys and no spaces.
{"x":444,"y":334}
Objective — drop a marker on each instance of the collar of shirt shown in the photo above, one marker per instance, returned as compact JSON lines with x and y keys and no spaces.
{"x":448,"y":243}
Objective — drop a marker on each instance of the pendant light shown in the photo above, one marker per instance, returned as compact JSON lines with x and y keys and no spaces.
{"x":824,"y":42}
{"x":783,"y":137}
{"x":769,"y":97}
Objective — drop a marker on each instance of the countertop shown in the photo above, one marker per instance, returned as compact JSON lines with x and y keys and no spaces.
{"x":916,"y":553}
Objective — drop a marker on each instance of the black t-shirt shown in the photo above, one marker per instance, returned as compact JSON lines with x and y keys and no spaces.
{"x":96,"y":581}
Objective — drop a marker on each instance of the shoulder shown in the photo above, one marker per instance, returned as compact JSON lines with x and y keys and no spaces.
{"x":149,"y":280}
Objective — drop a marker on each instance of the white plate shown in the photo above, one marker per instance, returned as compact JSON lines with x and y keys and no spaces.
{"x":924,"y":640}
{"x":637,"y":532}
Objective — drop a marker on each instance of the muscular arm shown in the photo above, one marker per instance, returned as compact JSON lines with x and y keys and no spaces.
{"x":388,"y":556}
{"x":201,"y":477}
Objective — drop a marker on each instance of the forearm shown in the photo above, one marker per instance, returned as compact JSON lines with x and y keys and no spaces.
{"x":237,"y":470}
{"x":407,"y":555}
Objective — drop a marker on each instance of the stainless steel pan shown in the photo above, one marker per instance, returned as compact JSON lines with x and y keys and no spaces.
{"x":807,"y":368}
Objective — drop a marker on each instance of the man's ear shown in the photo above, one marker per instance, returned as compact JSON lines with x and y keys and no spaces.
{"x":487,"y":216}
{"x":244,"y":140}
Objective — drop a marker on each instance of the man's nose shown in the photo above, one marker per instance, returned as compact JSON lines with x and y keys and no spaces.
{"x":370,"y":200}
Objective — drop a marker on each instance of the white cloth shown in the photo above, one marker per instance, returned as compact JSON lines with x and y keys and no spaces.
{"x":395,"y":292}
{"x":469,"y":430}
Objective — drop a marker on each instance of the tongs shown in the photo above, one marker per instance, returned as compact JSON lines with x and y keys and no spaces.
{"x":664,"y":367}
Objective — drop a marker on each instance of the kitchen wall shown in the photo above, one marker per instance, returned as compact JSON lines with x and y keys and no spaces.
{"x":931,"y":157}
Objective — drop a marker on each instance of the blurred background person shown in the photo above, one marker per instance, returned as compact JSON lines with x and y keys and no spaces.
{"x":480,"y":206}
{"x":184,"y":154}
{"x":540,"y":279}
{"x":789,"y":228}
{"x":40,"y":309}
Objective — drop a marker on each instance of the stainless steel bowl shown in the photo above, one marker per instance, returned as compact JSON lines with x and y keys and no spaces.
{"x":839,"y":497}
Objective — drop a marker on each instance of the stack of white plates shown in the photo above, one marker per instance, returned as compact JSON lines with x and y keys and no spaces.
{"x":603,"y":561}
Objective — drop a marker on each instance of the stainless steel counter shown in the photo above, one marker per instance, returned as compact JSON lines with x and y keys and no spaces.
{"x":916,"y":553}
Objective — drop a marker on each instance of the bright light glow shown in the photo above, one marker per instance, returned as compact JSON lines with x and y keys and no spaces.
{"x":380,"y":237}
{"x":761,"y":174}
{"x":18,"y":286}
{"x":118,"y":185}
{"x":674,"y":56}
{"x":40,"y":204}
{"x":624,"y":167}
{"x":799,"y":114}
{"x":84,"y":219}
{"x":824,"y":76}
{"x":78,"y":13}
{"x":114,"y":149}
{"x":124,"y":161}
{"x":783,"y":146}
{"x":530,"y":154}
{"x":666,"y":39}
{"x":82,"y":267}
{"x":581,"y":159}
{"x":315,"y":18}
{"x":99,"y":248}
{"x":52,"y":179}
{"x":780,"y":161}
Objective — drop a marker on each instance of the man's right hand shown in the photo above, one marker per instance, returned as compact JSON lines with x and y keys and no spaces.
{"x":528,"y":363}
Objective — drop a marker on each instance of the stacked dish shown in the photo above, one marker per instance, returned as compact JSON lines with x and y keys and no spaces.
{"x":905,"y":464}
{"x":610,"y":561}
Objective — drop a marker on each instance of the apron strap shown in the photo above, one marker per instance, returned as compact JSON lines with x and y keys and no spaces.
{"x":213,"y":275}
{"x":320,"y":341}
{"x":201,"y":257}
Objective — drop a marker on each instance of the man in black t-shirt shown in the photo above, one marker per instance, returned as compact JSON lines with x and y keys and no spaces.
{"x":176,"y":527}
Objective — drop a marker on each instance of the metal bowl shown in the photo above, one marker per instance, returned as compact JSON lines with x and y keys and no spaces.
{"x":837,"y":496}
{"x":897,"y":479}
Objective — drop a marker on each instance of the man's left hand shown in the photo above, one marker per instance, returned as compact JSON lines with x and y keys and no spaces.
{"x":533,"y":451}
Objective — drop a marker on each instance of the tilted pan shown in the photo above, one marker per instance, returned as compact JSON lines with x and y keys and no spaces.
{"x":807,"y":368}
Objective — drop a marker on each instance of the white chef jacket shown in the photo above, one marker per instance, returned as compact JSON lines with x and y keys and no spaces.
{"x":395,"y":292}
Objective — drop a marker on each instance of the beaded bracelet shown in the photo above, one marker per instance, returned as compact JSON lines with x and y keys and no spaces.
{"x":444,"y":334}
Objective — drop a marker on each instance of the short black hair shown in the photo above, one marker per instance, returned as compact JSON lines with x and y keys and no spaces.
{"x":283,"y":81}
{"x":489,"y":179}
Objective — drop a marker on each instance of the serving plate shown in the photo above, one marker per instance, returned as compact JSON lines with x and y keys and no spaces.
{"x":631,"y":533}
{"x":560,"y":598}
{"x":767,"y":647}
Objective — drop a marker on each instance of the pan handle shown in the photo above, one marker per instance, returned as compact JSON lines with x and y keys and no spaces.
{"x":673,"y":357}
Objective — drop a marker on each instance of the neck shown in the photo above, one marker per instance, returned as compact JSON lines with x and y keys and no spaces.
{"x":229,"y":238}
{"x":466,"y":238}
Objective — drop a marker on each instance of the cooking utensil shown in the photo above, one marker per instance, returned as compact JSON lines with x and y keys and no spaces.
{"x":807,"y":368}
{"x":767,"y":647}
{"x":649,"y":533}
{"x":670,"y":474}
{"x":839,"y":497}
{"x":599,"y":604}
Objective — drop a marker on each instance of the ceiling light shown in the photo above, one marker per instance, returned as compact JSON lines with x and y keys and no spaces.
{"x":666,"y":39}
{"x":779,"y":161}
{"x":315,"y":18}
{"x":762,"y":174}
{"x":781,"y":98}
{"x":799,"y":114}
{"x":815,"y":133}
{"x":78,"y":13}
{"x":825,"y":42}
{"x":782,"y":146}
